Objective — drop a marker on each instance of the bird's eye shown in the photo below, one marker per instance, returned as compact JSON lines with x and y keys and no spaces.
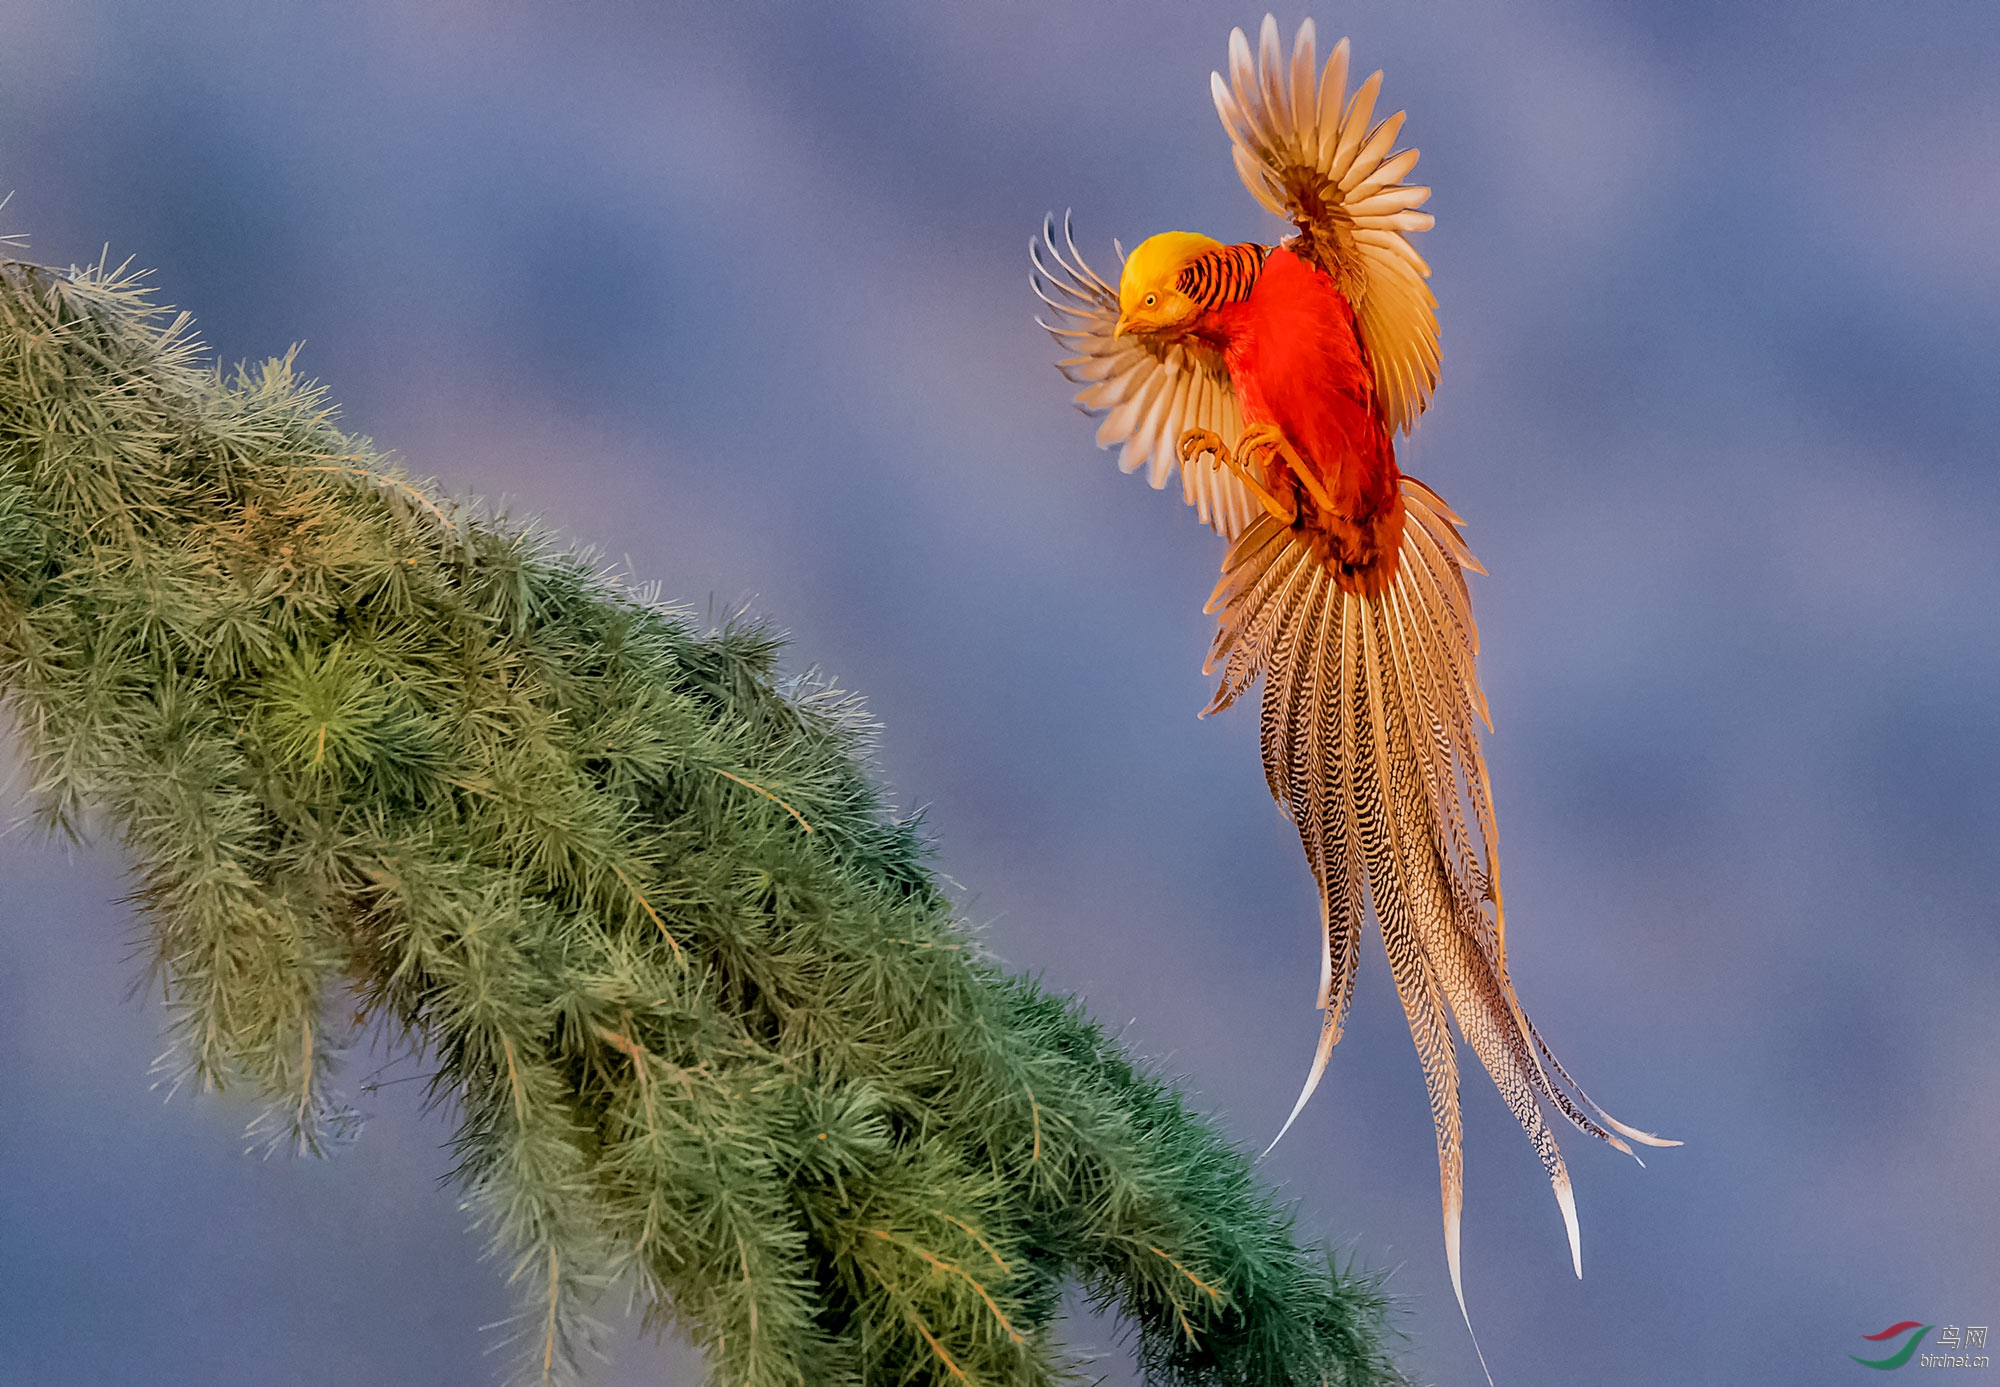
{"x":1152,"y":299}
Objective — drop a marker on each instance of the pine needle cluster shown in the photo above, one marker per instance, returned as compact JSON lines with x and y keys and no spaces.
{"x":707,"y":1028}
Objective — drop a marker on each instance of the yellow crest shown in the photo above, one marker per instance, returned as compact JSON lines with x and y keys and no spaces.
{"x":1147,"y":298}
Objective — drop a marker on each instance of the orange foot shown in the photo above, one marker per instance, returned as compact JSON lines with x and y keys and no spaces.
{"x":1261,"y":443}
{"x":1195,"y":442}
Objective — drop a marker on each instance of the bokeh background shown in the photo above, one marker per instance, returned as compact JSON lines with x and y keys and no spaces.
{"x":737,"y":292}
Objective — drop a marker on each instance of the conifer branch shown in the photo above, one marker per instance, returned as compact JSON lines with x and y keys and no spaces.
{"x":358,"y":739}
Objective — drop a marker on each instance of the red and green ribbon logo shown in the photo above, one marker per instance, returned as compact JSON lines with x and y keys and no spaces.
{"x":1901,"y":1355}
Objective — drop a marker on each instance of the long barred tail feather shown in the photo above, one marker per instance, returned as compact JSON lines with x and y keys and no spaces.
{"x":1370,"y":747}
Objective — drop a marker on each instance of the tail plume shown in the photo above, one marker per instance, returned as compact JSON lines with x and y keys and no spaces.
{"x":1370,"y":748}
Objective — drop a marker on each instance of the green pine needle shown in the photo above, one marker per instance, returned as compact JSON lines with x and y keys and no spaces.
{"x":707,"y":1025}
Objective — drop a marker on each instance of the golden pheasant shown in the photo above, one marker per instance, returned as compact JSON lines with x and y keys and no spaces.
{"x":1276,"y":378}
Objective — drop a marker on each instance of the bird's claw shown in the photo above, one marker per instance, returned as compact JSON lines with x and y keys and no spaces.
{"x":1195,"y":442}
{"x":1265,"y":444}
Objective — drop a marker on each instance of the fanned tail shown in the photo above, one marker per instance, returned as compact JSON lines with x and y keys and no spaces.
{"x":1370,"y":747}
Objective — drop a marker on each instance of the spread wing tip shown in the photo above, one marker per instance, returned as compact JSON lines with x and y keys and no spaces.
{"x":1314,"y":156}
{"x":1145,"y":393}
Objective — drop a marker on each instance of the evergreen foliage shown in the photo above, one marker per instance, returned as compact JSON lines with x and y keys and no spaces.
{"x":706,"y":1024}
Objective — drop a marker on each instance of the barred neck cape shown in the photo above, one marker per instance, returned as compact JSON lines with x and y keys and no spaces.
{"x":1226,"y":274}
{"x":1369,"y":747}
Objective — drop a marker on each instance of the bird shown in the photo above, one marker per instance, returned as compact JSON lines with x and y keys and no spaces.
{"x":1276,"y":378}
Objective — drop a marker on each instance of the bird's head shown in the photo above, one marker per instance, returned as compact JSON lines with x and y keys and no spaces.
{"x":1148,"y":297}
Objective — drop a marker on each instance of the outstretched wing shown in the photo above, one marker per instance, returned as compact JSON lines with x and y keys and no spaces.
{"x":1150,"y":392}
{"x":1307,"y":153}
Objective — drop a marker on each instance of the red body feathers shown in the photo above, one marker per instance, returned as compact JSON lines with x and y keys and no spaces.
{"x":1296,"y":361}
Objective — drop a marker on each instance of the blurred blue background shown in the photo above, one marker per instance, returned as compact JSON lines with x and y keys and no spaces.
{"x":738,"y":292}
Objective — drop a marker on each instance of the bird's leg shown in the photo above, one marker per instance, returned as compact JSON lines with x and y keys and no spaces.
{"x":1261,"y":442}
{"x":1195,"y":442}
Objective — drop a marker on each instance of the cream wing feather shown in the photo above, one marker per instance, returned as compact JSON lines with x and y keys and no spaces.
{"x":1149,"y":392}
{"x":1307,"y":152}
